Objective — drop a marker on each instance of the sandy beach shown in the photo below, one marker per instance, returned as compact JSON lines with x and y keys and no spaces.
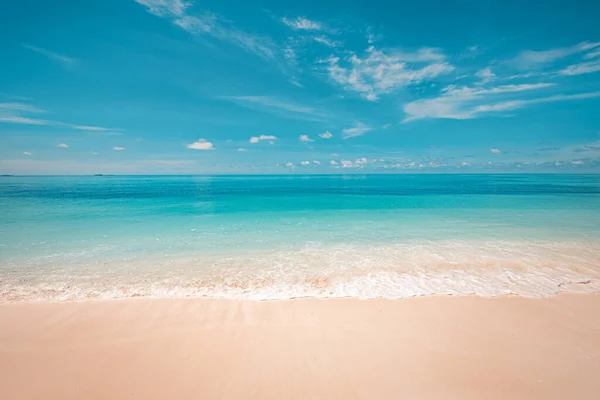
{"x":420,"y":348}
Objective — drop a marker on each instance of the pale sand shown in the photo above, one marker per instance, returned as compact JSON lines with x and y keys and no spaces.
{"x":422,"y":348}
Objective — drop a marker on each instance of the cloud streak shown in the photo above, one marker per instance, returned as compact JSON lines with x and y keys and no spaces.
{"x":531,"y":58}
{"x":13,"y":113}
{"x":61,"y":58}
{"x":207,"y":24}
{"x":278,"y":106}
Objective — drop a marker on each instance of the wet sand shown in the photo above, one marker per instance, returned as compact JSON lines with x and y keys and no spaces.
{"x":419,"y":348}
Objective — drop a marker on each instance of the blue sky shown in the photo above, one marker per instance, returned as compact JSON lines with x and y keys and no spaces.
{"x":174,"y":86}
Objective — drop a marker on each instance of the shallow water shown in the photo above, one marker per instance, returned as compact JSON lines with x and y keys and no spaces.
{"x":268,"y":237}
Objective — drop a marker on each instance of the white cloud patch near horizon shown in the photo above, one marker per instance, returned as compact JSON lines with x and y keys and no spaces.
{"x":256,"y":139}
{"x":305,"y":139}
{"x":326,"y":135}
{"x":201,"y":144}
{"x":118,"y":148}
{"x":63,"y":145}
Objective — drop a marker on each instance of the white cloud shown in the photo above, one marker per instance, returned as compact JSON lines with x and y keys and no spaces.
{"x":316,"y":162}
{"x":530,"y":58}
{"x":66,"y":61}
{"x":485,"y":74}
{"x":382,"y":72}
{"x":201,"y":144}
{"x":26,"y":153}
{"x":305,"y":162}
{"x":301,"y":23}
{"x":333,"y":162}
{"x":578,"y":162}
{"x":582,"y":68}
{"x":461,"y":103}
{"x":326,"y":135}
{"x":386,"y":126}
{"x":289,"y":164}
{"x":118,"y":148}
{"x":176,"y":11}
{"x":305,"y":139}
{"x":358,"y":130}
{"x":347,"y":164}
{"x":241,"y":149}
{"x":256,"y":139}
{"x":496,"y":151}
{"x":63,"y":145}
{"x":464,"y":164}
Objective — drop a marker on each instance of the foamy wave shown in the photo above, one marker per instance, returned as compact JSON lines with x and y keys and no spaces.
{"x":394,"y":271}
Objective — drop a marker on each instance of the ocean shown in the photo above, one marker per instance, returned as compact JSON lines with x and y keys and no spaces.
{"x":286,"y":236}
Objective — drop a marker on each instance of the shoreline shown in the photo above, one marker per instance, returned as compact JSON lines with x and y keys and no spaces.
{"x":431,"y":347}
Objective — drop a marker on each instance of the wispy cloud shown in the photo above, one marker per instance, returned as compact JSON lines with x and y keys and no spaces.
{"x":496,"y":151}
{"x":326,"y":135}
{"x":593,"y":54}
{"x":118,"y":148}
{"x":63,"y":145}
{"x":177,"y":12}
{"x":201,"y":144}
{"x":20,"y":107}
{"x":531,"y":58}
{"x":16,"y":113}
{"x":268,"y":103}
{"x":512,"y":105}
{"x":256,"y":139}
{"x":581,"y":68}
{"x":301,"y":23}
{"x":324,"y":40}
{"x":358,"y":130}
{"x":242,"y":149}
{"x":26,"y":153}
{"x":382,"y":72}
{"x":66,"y":61}
{"x":465,"y":102}
{"x":15,"y":119}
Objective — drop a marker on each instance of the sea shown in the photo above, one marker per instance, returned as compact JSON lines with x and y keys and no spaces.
{"x":72,"y":238}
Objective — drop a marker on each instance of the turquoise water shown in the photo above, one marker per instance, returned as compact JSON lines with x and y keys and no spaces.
{"x":394,"y":236}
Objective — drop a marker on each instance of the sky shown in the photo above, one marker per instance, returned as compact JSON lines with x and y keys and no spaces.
{"x":238,"y":87}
